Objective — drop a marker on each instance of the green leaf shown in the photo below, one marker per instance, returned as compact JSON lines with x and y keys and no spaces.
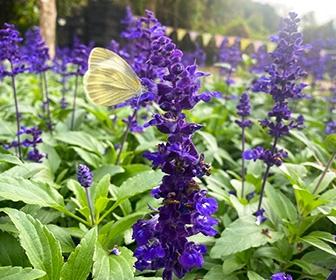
{"x":139,"y":183}
{"x":234,"y":239}
{"x":112,"y":232}
{"x":216,"y":272}
{"x":40,"y":245}
{"x":110,"y":169}
{"x":80,"y":261}
{"x":330,"y":142}
{"x":63,"y":237}
{"x":30,"y":192}
{"x":81,"y":139}
{"x":89,"y":157}
{"x":326,"y":181}
{"x":113,"y":267}
{"x":254,"y":276}
{"x":231,"y":264}
{"x":20,"y":273}
{"x":10,"y":159}
{"x":281,"y":205}
{"x":99,"y":194}
{"x":316,"y":239}
{"x":11,"y":253}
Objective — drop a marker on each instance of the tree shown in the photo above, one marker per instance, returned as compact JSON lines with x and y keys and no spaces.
{"x":48,"y":14}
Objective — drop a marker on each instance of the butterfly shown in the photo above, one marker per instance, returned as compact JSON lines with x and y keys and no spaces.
{"x":110,"y":80}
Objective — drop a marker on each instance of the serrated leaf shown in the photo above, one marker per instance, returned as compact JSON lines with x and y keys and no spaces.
{"x":234,"y":239}
{"x":79,"y":264}
{"x":40,"y":245}
{"x":16,"y":189}
{"x":63,"y":237}
{"x":113,"y":267}
{"x":20,"y":273}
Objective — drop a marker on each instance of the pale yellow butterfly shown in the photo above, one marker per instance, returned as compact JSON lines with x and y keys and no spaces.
{"x":109,"y":79}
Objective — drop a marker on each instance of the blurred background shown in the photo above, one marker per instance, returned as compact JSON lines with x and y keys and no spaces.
{"x":99,"y":20}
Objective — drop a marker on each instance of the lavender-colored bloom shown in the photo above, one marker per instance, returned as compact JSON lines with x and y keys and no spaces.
{"x":36,"y":51}
{"x":115,"y":251}
{"x":197,"y":56}
{"x":10,"y":41}
{"x":162,"y":241}
{"x":231,"y":56}
{"x":244,"y":110}
{"x":260,"y":216}
{"x":330,"y":127}
{"x":313,"y":62}
{"x":79,"y":56}
{"x":281,"y":83}
{"x":84,"y":176}
{"x":31,"y":138}
{"x":281,"y":276}
{"x":262,"y":60}
{"x":332,"y":275}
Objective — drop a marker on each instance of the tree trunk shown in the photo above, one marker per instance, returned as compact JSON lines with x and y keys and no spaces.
{"x":48,"y":15}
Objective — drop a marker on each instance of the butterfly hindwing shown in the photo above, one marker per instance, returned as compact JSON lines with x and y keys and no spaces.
{"x":110,"y":80}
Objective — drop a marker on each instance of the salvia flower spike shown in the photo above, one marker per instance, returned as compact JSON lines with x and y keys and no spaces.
{"x":162,"y":240}
{"x":282,"y":83}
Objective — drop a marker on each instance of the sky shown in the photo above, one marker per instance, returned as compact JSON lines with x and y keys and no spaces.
{"x":324,"y":10}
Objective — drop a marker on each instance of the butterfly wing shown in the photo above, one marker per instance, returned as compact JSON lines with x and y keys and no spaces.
{"x":110,"y":80}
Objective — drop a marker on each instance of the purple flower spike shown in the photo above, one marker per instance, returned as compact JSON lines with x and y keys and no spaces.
{"x":84,"y":176}
{"x":162,"y":241}
{"x":36,"y":51}
{"x":281,"y":276}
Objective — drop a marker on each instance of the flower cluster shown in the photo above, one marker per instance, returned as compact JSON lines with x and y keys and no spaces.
{"x":313,"y":61}
{"x":262,"y":60}
{"x":79,"y":56}
{"x":84,"y":176}
{"x":11,"y":52}
{"x":162,"y":241}
{"x":281,"y":276}
{"x":231,"y":57}
{"x":197,"y":56}
{"x":32,"y":137}
{"x":281,"y":82}
{"x":244,"y":110}
{"x":36,"y":51}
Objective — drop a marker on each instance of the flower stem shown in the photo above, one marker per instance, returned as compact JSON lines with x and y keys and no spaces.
{"x":49,"y":123}
{"x":17,"y":114}
{"x":42,"y":92}
{"x":89,"y":201}
{"x":329,"y":163}
{"x":124,"y":137}
{"x":74,"y":101}
{"x":243,"y":162}
{"x":268,"y":167}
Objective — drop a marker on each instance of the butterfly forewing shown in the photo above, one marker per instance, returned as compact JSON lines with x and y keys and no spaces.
{"x":110,"y":80}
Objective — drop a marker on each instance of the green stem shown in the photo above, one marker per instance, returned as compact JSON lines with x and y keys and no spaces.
{"x":125,"y":136}
{"x":243,"y":162}
{"x":49,"y":125}
{"x":268,"y":167}
{"x":17,"y":113}
{"x":329,"y":163}
{"x":74,"y":101}
{"x":72,"y":215}
{"x":109,"y":211}
{"x":89,"y":201}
